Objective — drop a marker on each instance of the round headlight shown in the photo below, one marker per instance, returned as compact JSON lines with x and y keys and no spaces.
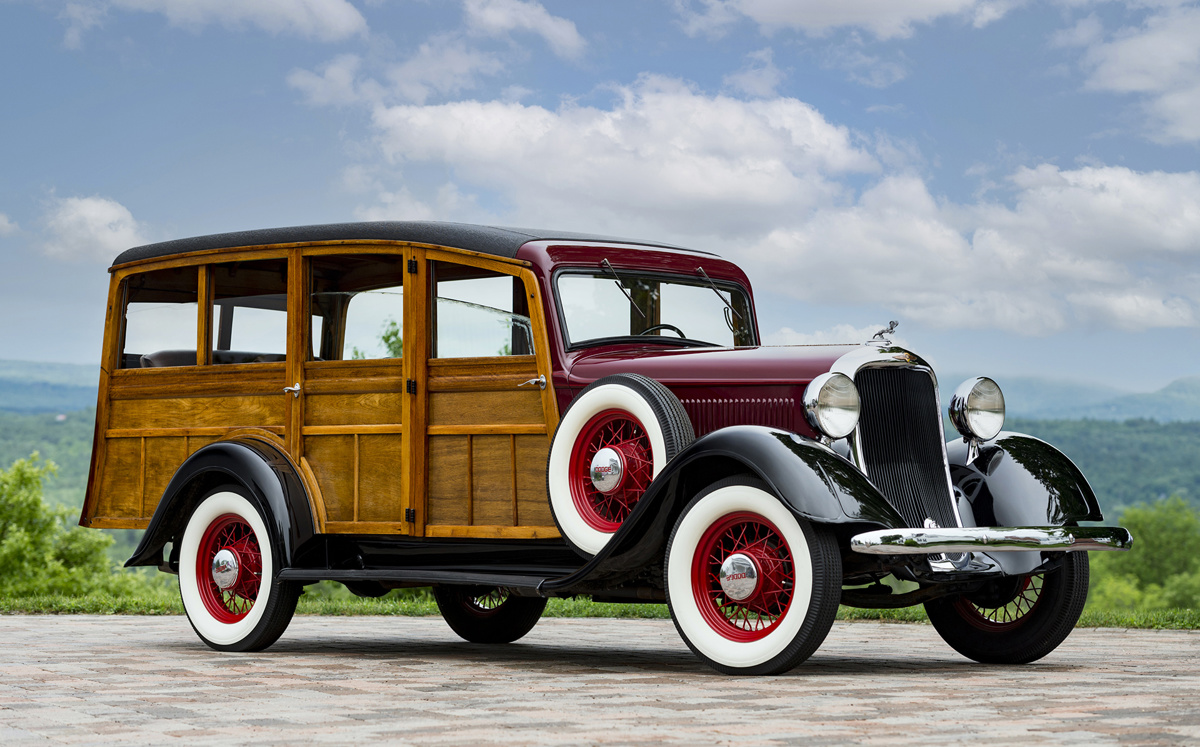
{"x":831,"y":405}
{"x":977,"y":409}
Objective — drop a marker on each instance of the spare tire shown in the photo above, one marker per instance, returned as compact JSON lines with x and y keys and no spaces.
{"x":613,"y":440}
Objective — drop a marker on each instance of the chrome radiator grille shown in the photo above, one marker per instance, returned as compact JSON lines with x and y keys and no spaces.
{"x":901,"y":435}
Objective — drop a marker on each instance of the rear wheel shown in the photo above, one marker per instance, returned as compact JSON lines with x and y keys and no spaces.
{"x":752,"y":589}
{"x":228,"y":576}
{"x":483,"y":614}
{"x":1015,"y":620}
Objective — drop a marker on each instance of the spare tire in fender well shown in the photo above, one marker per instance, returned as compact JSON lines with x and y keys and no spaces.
{"x":259,"y":467}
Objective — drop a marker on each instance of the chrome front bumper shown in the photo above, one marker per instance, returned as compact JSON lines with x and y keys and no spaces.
{"x":989,"y":539}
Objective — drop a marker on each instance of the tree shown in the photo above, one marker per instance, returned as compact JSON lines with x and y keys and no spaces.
{"x":1163,"y":568}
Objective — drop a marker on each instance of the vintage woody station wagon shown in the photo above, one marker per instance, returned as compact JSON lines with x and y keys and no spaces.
{"x":510,"y":415}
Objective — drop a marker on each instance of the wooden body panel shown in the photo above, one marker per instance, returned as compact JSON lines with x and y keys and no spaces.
{"x":463,"y":456}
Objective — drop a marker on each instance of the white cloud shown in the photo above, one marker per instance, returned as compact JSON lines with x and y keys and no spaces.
{"x":90,"y":228}
{"x":442,"y":66}
{"x":7,"y":225}
{"x":1158,"y":61}
{"x":882,"y":18}
{"x":80,"y":18}
{"x":499,"y":17}
{"x":839,"y":334}
{"x":324,"y":20}
{"x":448,"y":203}
{"x":1105,"y":247}
{"x":759,"y":77}
{"x":664,"y":152}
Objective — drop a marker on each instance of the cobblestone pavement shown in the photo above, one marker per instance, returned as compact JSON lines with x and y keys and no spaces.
{"x":95,"y":680}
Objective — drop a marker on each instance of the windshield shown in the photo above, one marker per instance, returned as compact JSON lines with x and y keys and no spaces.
{"x":659,"y":309}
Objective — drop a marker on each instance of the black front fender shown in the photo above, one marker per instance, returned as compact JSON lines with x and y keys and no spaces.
{"x":1020,"y":481}
{"x":266,"y":475}
{"x":813,"y":480}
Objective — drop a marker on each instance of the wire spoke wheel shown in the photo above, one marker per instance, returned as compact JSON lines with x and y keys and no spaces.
{"x":752,"y":536}
{"x":488,"y":614}
{"x":624,"y":435}
{"x":234,"y":535}
{"x":1007,"y":616}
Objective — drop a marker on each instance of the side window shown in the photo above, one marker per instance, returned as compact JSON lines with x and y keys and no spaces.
{"x":478,"y":313}
{"x":357,"y":306}
{"x":160,"y":319}
{"x":249,"y":312}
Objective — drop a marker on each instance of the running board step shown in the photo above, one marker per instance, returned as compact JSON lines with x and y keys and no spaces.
{"x":989,"y":539}
{"x":414,"y":575}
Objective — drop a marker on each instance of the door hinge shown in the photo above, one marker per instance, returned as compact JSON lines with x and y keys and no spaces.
{"x":412,"y":267}
{"x":410,"y":514}
{"x":411,"y":386}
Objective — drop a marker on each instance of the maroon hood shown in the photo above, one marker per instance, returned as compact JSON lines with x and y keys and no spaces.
{"x":756,"y":366}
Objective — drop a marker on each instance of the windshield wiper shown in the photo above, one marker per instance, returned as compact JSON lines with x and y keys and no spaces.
{"x":608,"y":266}
{"x":728,"y":306}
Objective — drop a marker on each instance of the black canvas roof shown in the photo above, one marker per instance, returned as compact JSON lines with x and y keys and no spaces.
{"x":501,"y":242}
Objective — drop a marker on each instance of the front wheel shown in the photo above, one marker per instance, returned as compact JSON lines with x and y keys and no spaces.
{"x":1015,"y":620}
{"x":752,"y":588}
{"x":487,"y":614}
{"x":227,"y":576}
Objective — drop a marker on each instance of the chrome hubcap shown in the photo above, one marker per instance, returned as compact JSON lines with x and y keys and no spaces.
{"x":607,"y":468}
{"x":739,"y":577}
{"x":225,"y":568}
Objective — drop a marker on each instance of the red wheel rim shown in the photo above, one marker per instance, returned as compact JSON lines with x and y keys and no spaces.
{"x":620,"y":431}
{"x":229,"y":532}
{"x":758,"y":615}
{"x":1007,"y":617}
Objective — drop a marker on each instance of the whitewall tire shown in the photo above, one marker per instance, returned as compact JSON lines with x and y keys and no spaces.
{"x":227,"y":575}
{"x":613,"y":440}
{"x":752,"y":589}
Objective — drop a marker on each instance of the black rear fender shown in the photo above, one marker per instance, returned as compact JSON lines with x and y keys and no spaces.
{"x":267,"y":478}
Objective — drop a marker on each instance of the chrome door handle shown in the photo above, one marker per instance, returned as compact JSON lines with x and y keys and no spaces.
{"x":540,"y":381}
{"x":295,"y":390}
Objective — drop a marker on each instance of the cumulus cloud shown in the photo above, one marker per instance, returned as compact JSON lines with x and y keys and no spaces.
{"x":500,"y":17}
{"x":90,"y":228}
{"x":759,"y":77}
{"x":884,"y":19}
{"x":662,"y":149}
{"x":1158,"y":61}
{"x":80,"y":18}
{"x":324,"y":20}
{"x":440,"y":67}
{"x":7,"y":225}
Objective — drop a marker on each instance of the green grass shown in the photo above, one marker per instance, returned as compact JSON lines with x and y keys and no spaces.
{"x":417,"y":605}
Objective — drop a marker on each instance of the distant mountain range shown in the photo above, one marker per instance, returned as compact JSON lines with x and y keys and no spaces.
{"x":29,"y":387}
{"x":47,"y":387}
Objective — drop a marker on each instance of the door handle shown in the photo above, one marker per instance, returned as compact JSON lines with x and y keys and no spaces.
{"x":295,"y":390}
{"x":540,"y":381}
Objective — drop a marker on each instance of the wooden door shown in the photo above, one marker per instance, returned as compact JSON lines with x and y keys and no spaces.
{"x":350,"y":414}
{"x":486,"y":420}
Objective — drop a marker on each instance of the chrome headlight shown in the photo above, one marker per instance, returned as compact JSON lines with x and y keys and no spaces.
{"x":977,"y":409}
{"x":831,"y":405}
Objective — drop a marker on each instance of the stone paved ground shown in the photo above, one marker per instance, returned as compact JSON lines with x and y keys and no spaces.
{"x":99,"y":680}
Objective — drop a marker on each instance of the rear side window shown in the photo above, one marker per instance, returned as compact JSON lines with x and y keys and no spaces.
{"x":357,"y":305}
{"x":250,"y":312}
{"x":160,"y":319}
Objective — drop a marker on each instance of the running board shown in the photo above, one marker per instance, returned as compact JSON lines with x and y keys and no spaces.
{"x":989,"y":539}
{"x":414,"y":576}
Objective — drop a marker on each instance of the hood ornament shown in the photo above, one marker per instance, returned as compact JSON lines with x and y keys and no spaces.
{"x":886,"y":332}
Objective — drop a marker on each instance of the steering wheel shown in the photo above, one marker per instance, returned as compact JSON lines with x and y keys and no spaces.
{"x":657,"y":327}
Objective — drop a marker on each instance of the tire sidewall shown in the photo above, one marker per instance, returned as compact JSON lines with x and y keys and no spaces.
{"x":702,"y":513}
{"x":214,"y":632}
{"x":590,"y":403}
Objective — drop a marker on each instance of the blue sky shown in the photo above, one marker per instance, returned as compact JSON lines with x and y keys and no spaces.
{"x":1017,"y":182}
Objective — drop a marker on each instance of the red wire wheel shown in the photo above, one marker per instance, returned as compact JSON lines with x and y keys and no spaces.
{"x":758,"y":615}
{"x":229,"y":532}
{"x":1007,"y":617}
{"x":620,"y":431}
